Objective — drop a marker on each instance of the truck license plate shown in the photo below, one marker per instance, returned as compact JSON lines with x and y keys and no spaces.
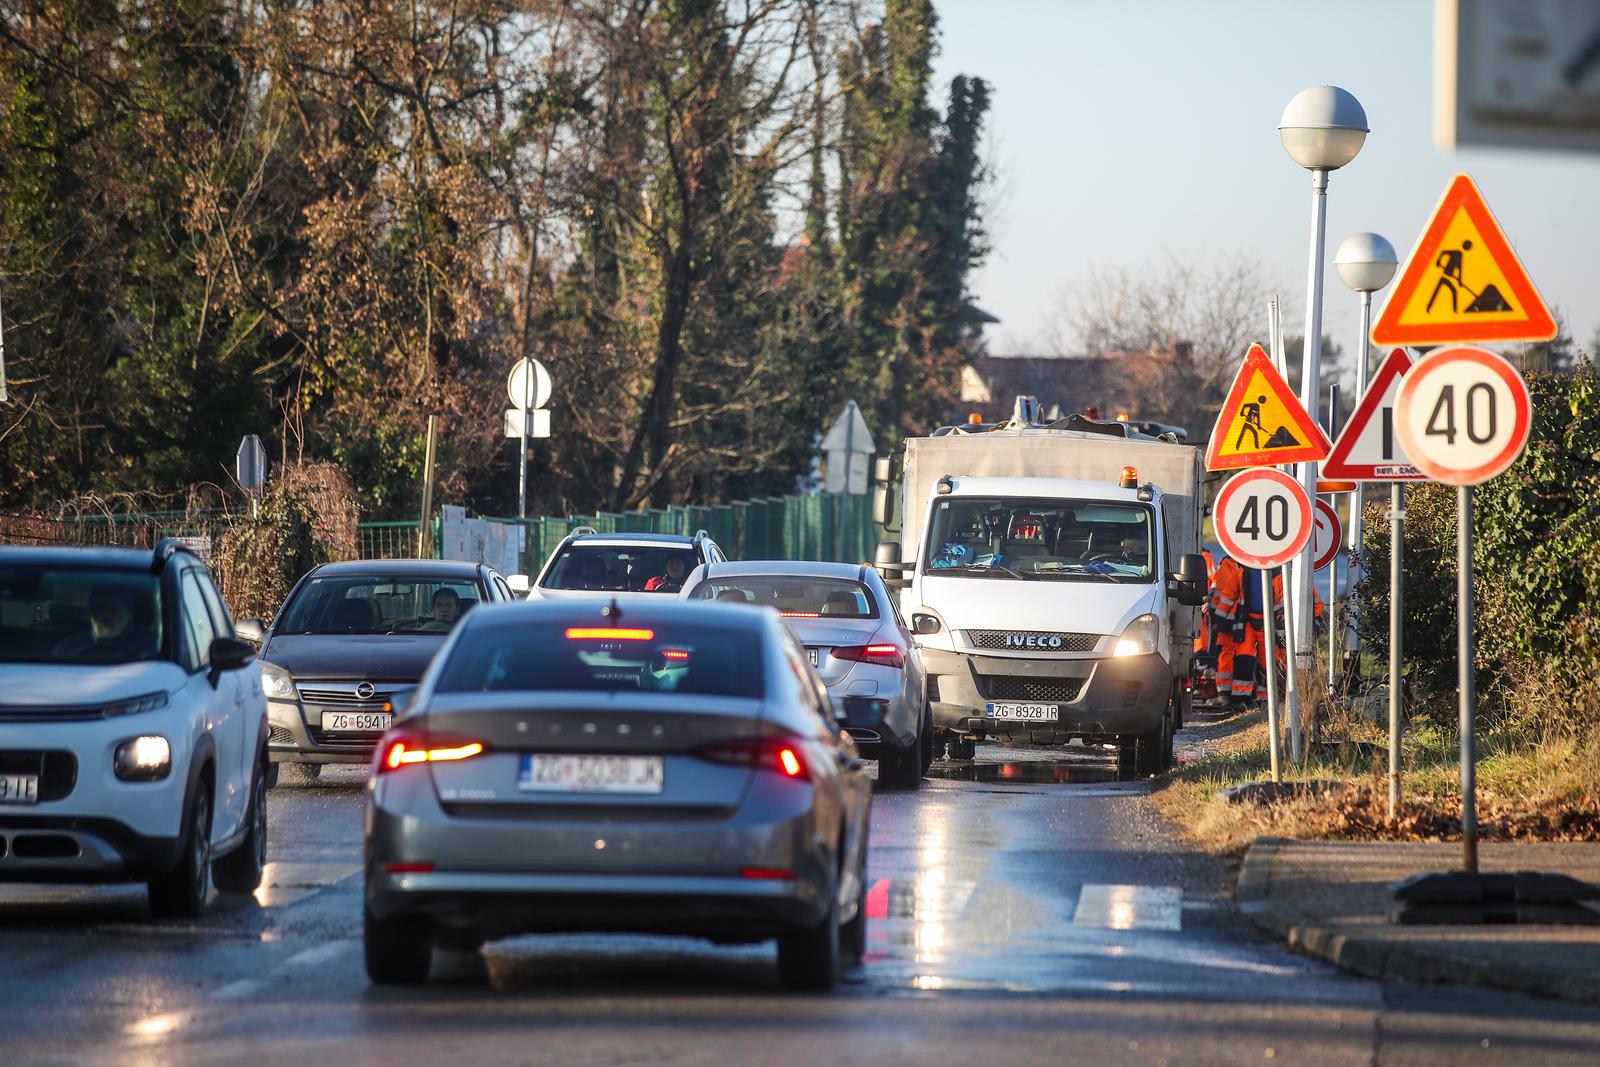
{"x":19,"y":789}
{"x":355,"y":721}
{"x":1025,"y":712}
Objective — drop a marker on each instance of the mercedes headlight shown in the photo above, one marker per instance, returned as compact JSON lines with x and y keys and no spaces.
{"x":1140,"y":638}
{"x":277,"y":682}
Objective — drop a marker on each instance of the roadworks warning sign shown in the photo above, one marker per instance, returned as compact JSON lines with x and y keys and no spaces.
{"x":1463,"y":282}
{"x":1262,"y":424}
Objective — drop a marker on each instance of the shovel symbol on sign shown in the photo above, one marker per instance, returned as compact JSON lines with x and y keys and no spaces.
{"x":1449,"y":262}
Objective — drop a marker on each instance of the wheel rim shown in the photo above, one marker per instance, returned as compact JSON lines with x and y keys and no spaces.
{"x":201,"y":833}
{"x":260,"y":827}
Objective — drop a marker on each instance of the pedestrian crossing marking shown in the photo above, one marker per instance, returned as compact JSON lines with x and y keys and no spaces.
{"x":1262,"y":423}
{"x":1462,"y":281}
{"x":1130,"y":907}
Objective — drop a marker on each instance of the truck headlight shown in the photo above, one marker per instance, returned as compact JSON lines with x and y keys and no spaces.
{"x":1140,"y":638}
{"x":143,"y":759}
{"x":278,"y":683}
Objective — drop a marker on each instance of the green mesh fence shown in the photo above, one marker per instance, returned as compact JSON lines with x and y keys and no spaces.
{"x":784,"y":527}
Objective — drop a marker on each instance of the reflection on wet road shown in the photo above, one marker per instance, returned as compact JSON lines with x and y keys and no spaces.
{"x":1026,"y":871}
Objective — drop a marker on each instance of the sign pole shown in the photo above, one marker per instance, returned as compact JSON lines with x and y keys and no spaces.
{"x":1333,"y":568}
{"x":1464,"y":655}
{"x":522,"y":458}
{"x":427,"y":487}
{"x":1397,"y":515}
{"x":844,"y":490}
{"x":1274,"y":742}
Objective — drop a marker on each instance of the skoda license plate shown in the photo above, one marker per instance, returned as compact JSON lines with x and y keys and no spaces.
{"x":1025,"y":712}
{"x":19,"y":789}
{"x":543,"y":773}
{"x":355,"y":721}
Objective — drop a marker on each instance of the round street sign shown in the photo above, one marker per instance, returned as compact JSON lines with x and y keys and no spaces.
{"x":1262,"y":517}
{"x":1326,"y":535}
{"x":1462,"y":415}
{"x":516,"y":382}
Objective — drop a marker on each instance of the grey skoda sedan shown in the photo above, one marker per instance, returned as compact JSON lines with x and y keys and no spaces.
{"x":654,"y":767}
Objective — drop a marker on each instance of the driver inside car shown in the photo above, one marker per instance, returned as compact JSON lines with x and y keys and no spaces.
{"x":113,"y":632}
{"x":672,"y":581}
{"x":446,"y":610}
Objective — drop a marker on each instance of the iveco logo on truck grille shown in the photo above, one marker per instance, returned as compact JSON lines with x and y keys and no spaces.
{"x":1033,"y":641}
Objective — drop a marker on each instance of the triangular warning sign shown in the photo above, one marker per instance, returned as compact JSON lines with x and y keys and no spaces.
{"x":1261,"y":423}
{"x":1368,"y":449}
{"x":1462,"y":282}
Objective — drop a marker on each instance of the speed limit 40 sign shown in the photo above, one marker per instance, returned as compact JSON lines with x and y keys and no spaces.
{"x":1262,"y":517}
{"x":1462,"y":415}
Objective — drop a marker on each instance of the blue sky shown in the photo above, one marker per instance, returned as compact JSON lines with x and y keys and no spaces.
{"x":1127,"y":130}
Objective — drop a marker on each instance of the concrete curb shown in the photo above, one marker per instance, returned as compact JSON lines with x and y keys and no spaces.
{"x":1376,"y":957}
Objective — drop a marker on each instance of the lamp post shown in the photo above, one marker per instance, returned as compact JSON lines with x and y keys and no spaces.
{"x":1366,"y":263}
{"x":1323,"y":129}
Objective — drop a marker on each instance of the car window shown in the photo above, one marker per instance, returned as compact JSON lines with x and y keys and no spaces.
{"x":1041,"y":540}
{"x":621,"y":568}
{"x":502,"y":588}
{"x":795,"y":596}
{"x":199,"y":628}
{"x":700,"y":659}
{"x":220,"y":619}
{"x":75,"y":614}
{"x":378,"y":604}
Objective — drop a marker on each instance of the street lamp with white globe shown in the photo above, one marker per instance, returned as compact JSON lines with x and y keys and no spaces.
{"x":1323,"y":129}
{"x":1366,"y":263}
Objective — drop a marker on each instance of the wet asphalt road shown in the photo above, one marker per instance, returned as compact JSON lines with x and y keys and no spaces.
{"x":1024,"y":909}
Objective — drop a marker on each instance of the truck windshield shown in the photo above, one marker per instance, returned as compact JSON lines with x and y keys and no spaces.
{"x":1041,"y":540}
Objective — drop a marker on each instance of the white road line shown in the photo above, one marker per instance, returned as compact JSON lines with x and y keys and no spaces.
{"x":1130,"y":907}
{"x":319,"y":954}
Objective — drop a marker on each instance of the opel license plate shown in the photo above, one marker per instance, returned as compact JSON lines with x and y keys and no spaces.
{"x":19,"y":789}
{"x":356,"y":721}
{"x":1025,"y":712}
{"x":552,"y":773}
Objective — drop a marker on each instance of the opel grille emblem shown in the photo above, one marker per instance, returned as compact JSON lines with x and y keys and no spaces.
{"x":364,"y":690}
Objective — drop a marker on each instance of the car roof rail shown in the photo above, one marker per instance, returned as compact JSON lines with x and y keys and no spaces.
{"x":579,"y":531}
{"x":163,"y":552}
{"x":702,"y":535}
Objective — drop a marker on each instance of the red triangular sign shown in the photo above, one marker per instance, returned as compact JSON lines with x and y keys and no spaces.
{"x":1368,"y":449}
{"x":1262,"y":423}
{"x":1462,"y":282}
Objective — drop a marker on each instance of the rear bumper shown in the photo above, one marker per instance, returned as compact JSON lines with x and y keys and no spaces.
{"x":494,"y":904}
{"x":1114,"y":696}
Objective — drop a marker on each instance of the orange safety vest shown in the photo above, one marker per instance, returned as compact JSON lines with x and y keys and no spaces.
{"x":1277,"y":598}
{"x":1227,"y":589}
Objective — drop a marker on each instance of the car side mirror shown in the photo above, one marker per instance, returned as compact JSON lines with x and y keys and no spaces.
{"x":924,"y":624}
{"x":864,"y":713}
{"x":252,"y":630}
{"x":518,"y":583}
{"x":1189,"y":580}
{"x":399,"y":701}
{"x":230,"y":653}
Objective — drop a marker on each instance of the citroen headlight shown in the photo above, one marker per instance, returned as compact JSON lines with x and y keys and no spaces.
{"x":1140,"y":638}
{"x":277,"y":682}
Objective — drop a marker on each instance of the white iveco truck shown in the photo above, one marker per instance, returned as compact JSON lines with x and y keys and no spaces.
{"x":1050,"y":574}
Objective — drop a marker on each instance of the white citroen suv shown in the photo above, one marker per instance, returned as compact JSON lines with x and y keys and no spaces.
{"x":133,"y":726}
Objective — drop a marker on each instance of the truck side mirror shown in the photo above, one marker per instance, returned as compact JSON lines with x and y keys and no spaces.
{"x":886,"y":561}
{"x":1189,"y":580}
{"x":883,"y":474}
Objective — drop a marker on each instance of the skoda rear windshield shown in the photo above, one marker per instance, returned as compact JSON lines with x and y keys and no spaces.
{"x":1025,"y":539}
{"x":605,"y":657}
{"x":378,"y":604}
{"x":79,"y":615}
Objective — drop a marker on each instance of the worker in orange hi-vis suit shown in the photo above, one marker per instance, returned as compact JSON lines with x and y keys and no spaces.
{"x":1227,"y":595}
{"x":1202,"y":640}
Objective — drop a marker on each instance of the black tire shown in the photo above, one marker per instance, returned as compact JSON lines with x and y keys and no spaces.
{"x":271,"y":773}
{"x":853,"y":934}
{"x":1165,"y":753}
{"x":1141,"y":755}
{"x":963,"y":748}
{"x":240,"y":870}
{"x":927,"y":737}
{"x":808,"y":960}
{"x":181,"y":892}
{"x":398,"y":951}
{"x":901,"y":769}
